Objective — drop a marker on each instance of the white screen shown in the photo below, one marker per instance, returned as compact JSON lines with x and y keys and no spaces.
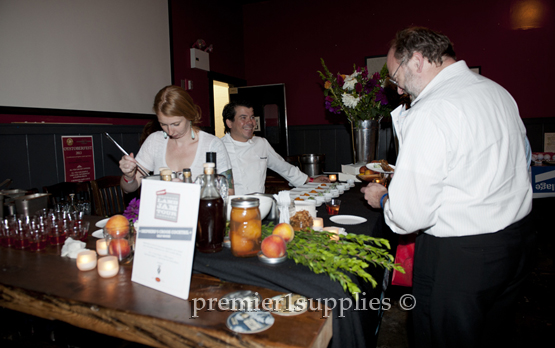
{"x":94,"y":55}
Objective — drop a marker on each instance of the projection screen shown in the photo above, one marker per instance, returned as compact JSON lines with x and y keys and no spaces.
{"x":85,"y":55}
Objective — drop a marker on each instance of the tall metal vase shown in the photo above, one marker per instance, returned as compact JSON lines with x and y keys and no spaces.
{"x":366,"y":140}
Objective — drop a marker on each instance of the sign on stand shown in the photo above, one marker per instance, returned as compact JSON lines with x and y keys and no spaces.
{"x":78,"y":158}
{"x":166,"y":234}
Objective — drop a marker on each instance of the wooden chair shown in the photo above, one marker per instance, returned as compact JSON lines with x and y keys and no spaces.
{"x":62,"y":190}
{"x":109,"y":198}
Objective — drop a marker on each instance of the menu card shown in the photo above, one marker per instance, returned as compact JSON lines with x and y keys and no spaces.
{"x":165,"y":243}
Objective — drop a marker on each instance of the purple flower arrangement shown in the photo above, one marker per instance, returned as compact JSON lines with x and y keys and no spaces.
{"x":359,"y":96}
{"x":132,"y":210}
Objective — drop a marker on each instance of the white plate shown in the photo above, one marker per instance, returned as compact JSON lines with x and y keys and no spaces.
{"x":378,"y":168}
{"x":347,"y":219}
{"x":102,"y":223}
{"x":250,"y":322}
{"x":288,"y":305}
{"x":98,"y":234}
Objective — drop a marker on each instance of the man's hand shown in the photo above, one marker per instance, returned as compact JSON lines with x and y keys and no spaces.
{"x":321,"y":179}
{"x":373,"y":193}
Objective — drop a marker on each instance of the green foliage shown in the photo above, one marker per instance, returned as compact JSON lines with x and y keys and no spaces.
{"x":352,"y":253}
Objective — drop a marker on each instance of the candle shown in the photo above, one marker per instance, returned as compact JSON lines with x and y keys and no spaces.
{"x":86,"y":260}
{"x":108,"y":266}
{"x":317,"y":224}
{"x":334,"y":230}
{"x":101,"y":247}
{"x":333,"y":177}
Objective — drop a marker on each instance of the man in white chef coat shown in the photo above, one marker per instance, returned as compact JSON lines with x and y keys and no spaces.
{"x":461,"y":179}
{"x":251,"y":155}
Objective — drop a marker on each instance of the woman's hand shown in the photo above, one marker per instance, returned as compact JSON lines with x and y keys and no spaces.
{"x":128,"y":166}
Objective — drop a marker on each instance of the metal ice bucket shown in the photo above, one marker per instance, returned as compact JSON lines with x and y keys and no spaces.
{"x":30,"y":204}
{"x":312,"y":164}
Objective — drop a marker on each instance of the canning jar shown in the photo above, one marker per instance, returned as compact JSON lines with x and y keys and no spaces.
{"x":245,"y":227}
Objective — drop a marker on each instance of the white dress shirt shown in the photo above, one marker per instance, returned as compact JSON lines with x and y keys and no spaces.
{"x":250,"y":160}
{"x":152,"y":154}
{"x":462,"y":166}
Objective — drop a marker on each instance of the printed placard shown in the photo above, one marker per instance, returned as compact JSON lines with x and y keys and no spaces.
{"x":166,"y":236}
{"x":78,"y":158}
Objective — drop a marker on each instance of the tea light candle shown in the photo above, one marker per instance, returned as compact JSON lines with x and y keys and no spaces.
{"x":102,"y":247}
{"x":86,"y":260}
{"x":317,"y":224}
{"x":334,"y":230}
{"x":108,"y":266}
{"x":333,"y":177}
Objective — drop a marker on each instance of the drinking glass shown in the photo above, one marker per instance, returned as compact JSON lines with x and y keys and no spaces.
{"x":333,"y":206}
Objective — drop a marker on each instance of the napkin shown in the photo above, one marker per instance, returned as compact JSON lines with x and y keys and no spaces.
{"x":283,"y":202}
{"x":73,"y":247}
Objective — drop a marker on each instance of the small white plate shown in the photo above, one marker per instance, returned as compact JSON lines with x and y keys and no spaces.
{"x":376,"y":167}
{"x":250,"y":322}
{"x":102,"y":223}
{"x":288,"y":305}
{"x":98,"y":234}
{"x":348,"y":219}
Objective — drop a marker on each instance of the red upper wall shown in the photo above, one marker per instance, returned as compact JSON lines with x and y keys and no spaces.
{"x":284,"y":41}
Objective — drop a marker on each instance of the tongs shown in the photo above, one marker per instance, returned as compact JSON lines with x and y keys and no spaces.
{"x":143,"y":171}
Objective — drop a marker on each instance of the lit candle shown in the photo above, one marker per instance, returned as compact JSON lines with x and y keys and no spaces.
{"x":334,"y":230}
{"x":101,"y":247}
{"x":108,"y":266}
{"x":317,"y":224}
{"x":333,"y":177}
{"x":86,"y":260}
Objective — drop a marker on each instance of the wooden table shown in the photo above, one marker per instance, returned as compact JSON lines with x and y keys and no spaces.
{"x":47,"y":285}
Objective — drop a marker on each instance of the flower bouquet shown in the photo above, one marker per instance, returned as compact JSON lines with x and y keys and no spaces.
{"x":359,"y":95}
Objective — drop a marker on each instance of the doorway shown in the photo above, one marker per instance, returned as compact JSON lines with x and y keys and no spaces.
{"x":221,"y":98}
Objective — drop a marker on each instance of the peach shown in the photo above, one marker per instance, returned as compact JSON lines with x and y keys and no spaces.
{"x":117,"y":226}
{"x":273,"y":246}
{"x":119,"y":248}
{"x":285,"y":230}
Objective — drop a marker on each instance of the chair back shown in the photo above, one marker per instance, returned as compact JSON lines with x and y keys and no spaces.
{"x":61,"y":191}
{"x":109,"y":198}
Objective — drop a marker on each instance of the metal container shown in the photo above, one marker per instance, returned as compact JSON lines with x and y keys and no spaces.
{"x":30,"y":204}
{"x":312,"y":164}
{"x":366,"y":140}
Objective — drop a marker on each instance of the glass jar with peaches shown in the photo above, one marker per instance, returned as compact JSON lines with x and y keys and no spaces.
{"x":245,"y":227}
{"x":120,"y":238}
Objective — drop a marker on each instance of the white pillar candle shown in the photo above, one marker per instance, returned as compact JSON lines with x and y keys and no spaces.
{"x":334,"y":230}
{"x":333,"y":177}
{"x":102,"y":247}
{"x":318,"y":224}
{"x":108,"y":266}
{"x":86,"y":260}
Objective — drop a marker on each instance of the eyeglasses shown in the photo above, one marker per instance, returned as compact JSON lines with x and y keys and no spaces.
{"x":395,"y":73}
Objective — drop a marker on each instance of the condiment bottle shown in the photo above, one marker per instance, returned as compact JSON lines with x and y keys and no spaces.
{"x":165,"y":174}
{"x":211,"y":218}
{"x":245,"y":227}
{"x":187,"y":176}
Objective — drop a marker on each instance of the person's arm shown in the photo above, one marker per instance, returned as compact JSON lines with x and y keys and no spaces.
{"x":288,"y":171}
{"x":131,"y":178}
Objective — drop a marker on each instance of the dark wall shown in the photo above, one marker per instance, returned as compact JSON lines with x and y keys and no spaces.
{"x":32,"y":154}
{"x":284,"y":41}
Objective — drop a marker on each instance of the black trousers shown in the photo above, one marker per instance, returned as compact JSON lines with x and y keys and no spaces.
{"x":466,"y":288}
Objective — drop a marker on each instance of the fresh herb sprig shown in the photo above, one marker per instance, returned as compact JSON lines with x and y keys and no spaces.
{"x":352,"y":253}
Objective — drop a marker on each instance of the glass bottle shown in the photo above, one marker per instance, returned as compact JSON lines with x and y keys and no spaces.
{"x":211,"y":218}
{"x":165,"y":174}
{"x":187,"y":176}
{"x":245,"y":227}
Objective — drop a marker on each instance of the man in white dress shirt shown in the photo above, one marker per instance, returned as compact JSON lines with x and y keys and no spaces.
{"x":251,"y":155}
{"x":461,"y":179}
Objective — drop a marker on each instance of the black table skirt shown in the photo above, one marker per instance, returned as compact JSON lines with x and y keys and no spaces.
{"x":357,"y":328}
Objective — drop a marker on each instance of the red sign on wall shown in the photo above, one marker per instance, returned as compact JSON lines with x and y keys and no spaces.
{"x":78,"y":158}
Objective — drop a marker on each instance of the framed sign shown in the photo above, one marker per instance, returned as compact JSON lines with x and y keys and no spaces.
{"x":78,"y":153}
{"x":375,"y":63}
